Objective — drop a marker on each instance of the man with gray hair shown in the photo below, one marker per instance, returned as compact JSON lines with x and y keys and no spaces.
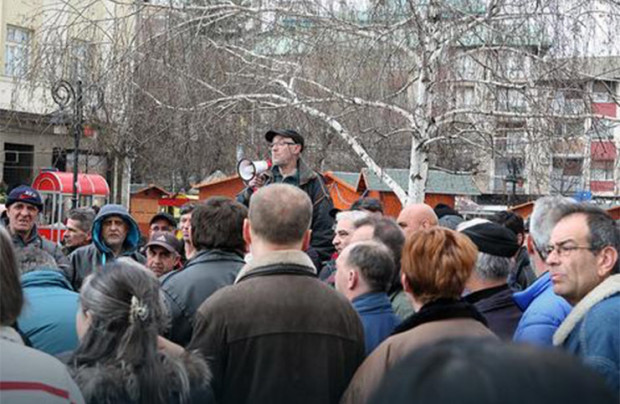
{"x":363,"y":276}
{"x":543,"y":310}
{"x":488,"y":283}
{"x":48,"y":317}
{"x":279,"y":334}
{"x":345,"y":226}
{"x":79,"y":226}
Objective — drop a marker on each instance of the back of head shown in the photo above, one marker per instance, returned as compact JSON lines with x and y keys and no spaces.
{"x":11,"y":297}
{"x":218,"y":224}
{"x":127,"y":313}
{"x":510,"y":220}
{"x":437,"y":262}
{"x":603,"y":229}
{"x":474,"y":371}
{"x":386,"y":231}
{"x":374,"y":262}
{"x":367,"y":204}
{"x":32,"y":258}
{"x":545,"y":216}
{"x":280,"y":214}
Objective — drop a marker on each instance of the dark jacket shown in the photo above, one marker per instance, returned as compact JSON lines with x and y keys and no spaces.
{"x":522,"y":275}
{"x":313,"y":184}
{"x":48,"y":316}
{"x":543,"y":312}
{"x":592,"y":331}
{"x":279,"y":335}
{"x":34,"y":239}
{"x":94,"y":256}
{"x":498,"y":307}
{"x":377,"y":316}
{"x":185,"y":290}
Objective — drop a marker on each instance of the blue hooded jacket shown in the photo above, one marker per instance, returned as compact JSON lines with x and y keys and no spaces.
{"x":377,"y":316}
{"x":92,"y":257}
{"x":544,"y":311}
{"x":48,"y":315}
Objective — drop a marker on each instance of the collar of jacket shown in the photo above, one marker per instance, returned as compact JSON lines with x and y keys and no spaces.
{"x":605,"y":289}
{"x":440,"y":309}
{"x":372,"y":302}
{"x":10,"y":334}
{"x":32,"y":236}
{"x":213,"y":255}
{"x":275,"y":261}
{"x":45,"y":277}
{"x":524,"y":298}
{"x":304,"y":173}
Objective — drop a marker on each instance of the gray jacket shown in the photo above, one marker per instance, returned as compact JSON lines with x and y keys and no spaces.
{"x":185,"y":290}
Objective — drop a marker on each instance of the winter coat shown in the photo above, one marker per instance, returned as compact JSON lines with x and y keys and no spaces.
{"x":543,"y":312}
{"x":279,"y":335}
{"x":185,"y":290}
{"x":522,"y":275}
{"x":592,"y":331}
{"x":437,"y":320}
{"x":48,"y":316}
{"x":107,"y":383}
{"x":31,"y":376}
{"x":498,"y":307}
{"x":313,"y":184}
{"x":401,"y":304}
{"x":94,"y":256}
{"x":377,"y":316}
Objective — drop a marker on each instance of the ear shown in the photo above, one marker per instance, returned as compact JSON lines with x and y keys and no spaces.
{"x":305,"y":241}
{"x":529,"y":242}
{"x":247,"y":237}
{"x":352,"y":279}
{"x":520,"y":238}
{"x":607,"y":260}
{"x":405,"y":282}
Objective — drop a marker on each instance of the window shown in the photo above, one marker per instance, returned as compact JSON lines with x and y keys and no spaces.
{"x":602,"y":170}
{"x":568,"y":166}
{"x":16,"y":51}
{"x":79,"y":59}
{"x":566,"y":176}
{"x":465,"y":97}
{"x":509,"y":174}
{"x":511,"y":100}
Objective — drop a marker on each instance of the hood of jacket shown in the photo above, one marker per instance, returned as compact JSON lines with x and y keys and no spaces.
{"x":45,"y":278}
{"x":133,"y":232}
{"x":373,"y":303}
{"x":524,"y":298}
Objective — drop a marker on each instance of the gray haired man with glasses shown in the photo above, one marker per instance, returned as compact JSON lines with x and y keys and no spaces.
{"x":288,"y":167}
{"x":543,"y":310}
{"x":585,"y":269}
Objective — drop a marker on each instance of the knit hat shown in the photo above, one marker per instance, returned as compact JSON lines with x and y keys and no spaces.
{"x":493,"y":239}
{"x":26,"y":194}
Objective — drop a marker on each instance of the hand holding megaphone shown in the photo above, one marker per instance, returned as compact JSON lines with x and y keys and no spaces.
{"x":253,"y":172}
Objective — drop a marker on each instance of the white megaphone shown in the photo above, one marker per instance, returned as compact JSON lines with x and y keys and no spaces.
{"x":248,"y":169}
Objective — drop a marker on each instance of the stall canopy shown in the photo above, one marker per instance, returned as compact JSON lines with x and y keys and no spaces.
{"x":62,"y":182}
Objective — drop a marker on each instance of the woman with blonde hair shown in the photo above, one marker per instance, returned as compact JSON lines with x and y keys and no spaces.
{"x":118,"y":360}
{"x":435,"y":265}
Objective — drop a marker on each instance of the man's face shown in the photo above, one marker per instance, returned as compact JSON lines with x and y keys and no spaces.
{"x":114,"y":231}
{"x":75,"y":236}
{"x":344,"y":231}
{"x":409,"y":221}
{"x":185,"y":225}
{"x":159,"y":260}
{"x":364,"y":233}
{"x":342,"y":272}
{"x":161,"y":225}
{"x":284,"y":151}
{"x":574,"y":273}
{"x":22,"y":217}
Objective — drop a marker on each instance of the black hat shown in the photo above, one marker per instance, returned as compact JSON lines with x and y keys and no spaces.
{"x":26,"y":194}
{"x":493,"y":239}
{"x":165,"y":216}
{"x":290,"y":133}
{"x":165,"y":240}
{"x":370,"y":204}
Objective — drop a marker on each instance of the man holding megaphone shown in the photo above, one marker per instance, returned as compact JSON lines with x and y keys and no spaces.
{"x":286,"y":166}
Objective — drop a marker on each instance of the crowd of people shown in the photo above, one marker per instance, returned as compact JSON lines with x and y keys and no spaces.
{"x":277,"y":297}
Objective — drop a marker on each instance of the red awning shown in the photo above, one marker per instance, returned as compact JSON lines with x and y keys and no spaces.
{"x":603,"y":150}
{"x":62,"y":182}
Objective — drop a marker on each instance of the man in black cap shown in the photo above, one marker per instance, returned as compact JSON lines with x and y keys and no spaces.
{"x":162,"y":253}
{"x":162,"y":222}
{"x":488,"y":282}
{"x":23,"y":206}
{"x":289,"y":168}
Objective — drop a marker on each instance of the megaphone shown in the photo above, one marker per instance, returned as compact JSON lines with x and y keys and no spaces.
{"x":248,"y":169}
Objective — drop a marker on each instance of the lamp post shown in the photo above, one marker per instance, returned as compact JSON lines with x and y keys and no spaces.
{"x":64,"y":94}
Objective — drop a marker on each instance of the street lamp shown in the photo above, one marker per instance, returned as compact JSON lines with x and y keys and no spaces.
{"x":64,"y":94}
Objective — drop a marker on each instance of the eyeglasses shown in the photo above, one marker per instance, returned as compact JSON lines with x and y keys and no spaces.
{"x":281,"y":144}
{"x":563,"y":250}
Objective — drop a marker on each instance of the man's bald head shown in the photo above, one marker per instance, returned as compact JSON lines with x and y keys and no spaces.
{"x":280,"y":214}
{"x":417,"y":216}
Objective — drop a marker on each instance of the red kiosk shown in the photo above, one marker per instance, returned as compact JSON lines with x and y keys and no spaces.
{"x":56,"y":189}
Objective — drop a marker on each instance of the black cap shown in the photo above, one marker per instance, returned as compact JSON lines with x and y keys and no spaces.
{"x":290,"y":133}
{"x":165,"y":216}
{"x":164,"y":240}
{"x":493,"y":239}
